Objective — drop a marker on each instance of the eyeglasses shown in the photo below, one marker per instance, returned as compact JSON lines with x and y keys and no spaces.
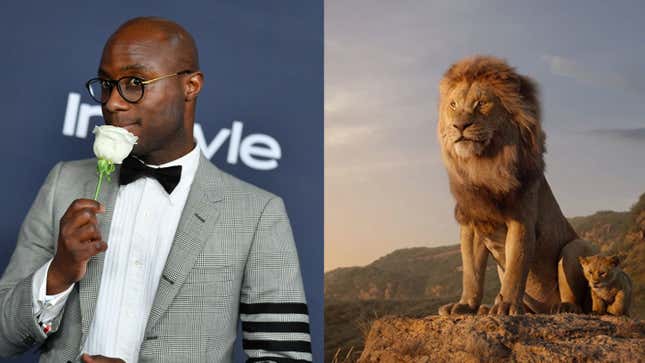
{"x":129,"y":87}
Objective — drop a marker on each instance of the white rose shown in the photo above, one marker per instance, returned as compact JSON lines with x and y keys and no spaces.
{"x":113,"y":143}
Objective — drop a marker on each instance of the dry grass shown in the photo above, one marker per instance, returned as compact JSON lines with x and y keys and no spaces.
{"x":348,"y":358}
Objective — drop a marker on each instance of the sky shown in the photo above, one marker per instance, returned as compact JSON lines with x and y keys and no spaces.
{"x":385,"y":184}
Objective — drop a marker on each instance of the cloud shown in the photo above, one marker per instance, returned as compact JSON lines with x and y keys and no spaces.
{"x":636,"y":134}
{"x":569,"y":68}
{"x":626,"y":77}
{"x":344,"y":135}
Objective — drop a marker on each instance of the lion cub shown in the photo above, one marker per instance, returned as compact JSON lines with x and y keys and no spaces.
{"x":611,"y":288}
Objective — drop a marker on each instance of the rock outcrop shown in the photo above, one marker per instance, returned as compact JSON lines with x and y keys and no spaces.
{"x":485,"y":338}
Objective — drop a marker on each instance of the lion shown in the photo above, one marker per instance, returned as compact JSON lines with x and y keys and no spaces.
{"x":492,"y":145}
{"x":611,"y":287}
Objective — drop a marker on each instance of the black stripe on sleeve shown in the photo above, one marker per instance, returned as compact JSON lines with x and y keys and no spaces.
{"x":276,"y":360}
{"x":278,"y":345}
{"x":273,"y":308}
{"x":275,"y":327}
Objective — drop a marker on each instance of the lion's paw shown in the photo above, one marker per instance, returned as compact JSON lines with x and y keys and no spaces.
{"x":483,"y":310}
{"x":506,"y":308}
{"x":456,"y":309}
{"x":566,"y":307}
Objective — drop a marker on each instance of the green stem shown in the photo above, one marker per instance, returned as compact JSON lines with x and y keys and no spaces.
{"x":98,"y":186}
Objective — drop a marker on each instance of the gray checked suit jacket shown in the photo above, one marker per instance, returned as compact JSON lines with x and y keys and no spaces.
{"x":233,"y":256}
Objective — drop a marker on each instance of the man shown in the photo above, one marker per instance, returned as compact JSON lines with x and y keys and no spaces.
{"x":157,"y":272}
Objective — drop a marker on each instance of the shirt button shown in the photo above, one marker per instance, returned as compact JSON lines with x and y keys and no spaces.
{"x":138,"y":263}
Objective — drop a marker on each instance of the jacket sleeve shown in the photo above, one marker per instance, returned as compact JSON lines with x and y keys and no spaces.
{"x":19,"y":329}
{"x":273,"y":308}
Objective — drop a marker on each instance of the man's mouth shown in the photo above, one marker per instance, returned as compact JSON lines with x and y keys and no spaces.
{"x":130,"y":126}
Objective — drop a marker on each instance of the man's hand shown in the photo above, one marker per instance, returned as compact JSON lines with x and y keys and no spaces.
{"x":99,"y":359}
{"x":79,"y":239}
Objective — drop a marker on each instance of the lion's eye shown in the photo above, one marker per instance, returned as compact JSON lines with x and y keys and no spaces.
{"x":453,"y":105}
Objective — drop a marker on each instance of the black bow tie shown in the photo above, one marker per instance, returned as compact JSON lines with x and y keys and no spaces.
{"x":133,"y":169}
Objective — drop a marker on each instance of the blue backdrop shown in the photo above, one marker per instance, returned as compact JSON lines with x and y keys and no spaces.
{"x":263,"y":67}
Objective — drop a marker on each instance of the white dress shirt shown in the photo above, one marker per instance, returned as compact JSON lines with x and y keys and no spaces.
{"x":142,"y":230}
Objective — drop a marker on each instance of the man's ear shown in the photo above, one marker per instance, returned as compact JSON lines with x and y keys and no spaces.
{"x":193,"y":85}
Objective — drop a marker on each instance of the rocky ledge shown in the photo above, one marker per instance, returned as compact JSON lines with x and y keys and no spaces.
{"x":527,"y":338}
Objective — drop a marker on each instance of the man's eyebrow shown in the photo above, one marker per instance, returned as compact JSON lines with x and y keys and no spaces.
{"x":129,"y":67}
{"x":136,"y":67}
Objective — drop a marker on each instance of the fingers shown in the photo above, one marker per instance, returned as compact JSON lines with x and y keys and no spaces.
{"x":79,"y":239}
{"x":80,"y":217}
{"x":86,"y":250}
{"x":79,"y":223}
{"x":77,"y":217}
{"x":86,"y":358}
{"x":74,"y":238}
{"x":97,"y":247}
{"x":89,"y":203}
{"x":86,"y":204}
{"x":83,"y":209}
{"x":87,"y":233}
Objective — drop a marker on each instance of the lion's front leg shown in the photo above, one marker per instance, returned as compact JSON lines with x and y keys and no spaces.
{"x":474,"y":256}
{"x":599,"y":307}
{"x":619,"y":306}
{"x":519,"y":249}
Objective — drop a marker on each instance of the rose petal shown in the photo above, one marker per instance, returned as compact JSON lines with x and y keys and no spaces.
{"x":113,"y":143}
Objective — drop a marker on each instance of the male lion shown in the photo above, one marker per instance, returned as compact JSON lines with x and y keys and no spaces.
{"x":492,"y":145}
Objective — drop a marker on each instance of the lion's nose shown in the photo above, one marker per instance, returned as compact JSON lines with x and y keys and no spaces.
{"x":461,"y":125}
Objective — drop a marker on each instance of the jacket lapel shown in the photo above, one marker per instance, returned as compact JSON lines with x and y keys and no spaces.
{"x":197,"y":221}
{"x":89,"y":285}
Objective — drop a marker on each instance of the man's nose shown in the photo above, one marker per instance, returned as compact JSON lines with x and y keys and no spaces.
{"x":115,"y":101}
{"x":462,"y":125}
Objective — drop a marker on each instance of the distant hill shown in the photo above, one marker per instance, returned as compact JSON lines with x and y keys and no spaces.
{"x":411,"y":273}
{"x":414,"y":282}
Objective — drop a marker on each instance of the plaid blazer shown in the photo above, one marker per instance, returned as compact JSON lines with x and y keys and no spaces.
{"x":233,"y":256}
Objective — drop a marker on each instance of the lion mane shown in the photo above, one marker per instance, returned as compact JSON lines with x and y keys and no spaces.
{"x":487,"y":186}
